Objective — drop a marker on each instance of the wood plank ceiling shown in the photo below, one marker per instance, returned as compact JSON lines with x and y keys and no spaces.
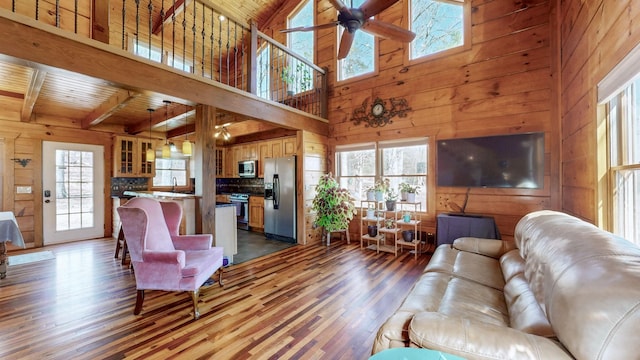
{"x":30,"y":94}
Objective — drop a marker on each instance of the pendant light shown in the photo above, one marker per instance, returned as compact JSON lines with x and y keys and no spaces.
{"x":151,"y":152}
{"x":166,"y":149}
{"x":186,"y":144}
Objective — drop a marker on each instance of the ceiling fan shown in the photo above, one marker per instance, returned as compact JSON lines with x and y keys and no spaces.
{"x":353,"y":19}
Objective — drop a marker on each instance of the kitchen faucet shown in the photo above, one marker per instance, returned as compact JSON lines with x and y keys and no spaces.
{"x":175,"y":183}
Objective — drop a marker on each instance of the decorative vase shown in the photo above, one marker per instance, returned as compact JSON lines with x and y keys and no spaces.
{"x":406,"y":218}
{"x":371,"y":196}
{"x":408,"y":235}
{"x":391,"y":205}
{"x":372,"y":230}
{"x":371,"y":214}
{"x":411,"y":197}
{"x":379,"y":195}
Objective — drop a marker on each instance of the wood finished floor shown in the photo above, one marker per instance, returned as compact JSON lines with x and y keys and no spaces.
{"x":308,"y":302}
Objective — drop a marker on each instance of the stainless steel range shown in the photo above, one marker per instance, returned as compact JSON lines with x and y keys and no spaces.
{"x":241,"y":201}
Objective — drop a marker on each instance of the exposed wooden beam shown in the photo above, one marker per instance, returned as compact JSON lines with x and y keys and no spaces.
{"x":159,"y":119}
{"x":55,"y":49}
{"x":173,"y":10}
{"x":12,"y":94}
{"x":114,"y":103}
{"x":181,"y":131}
{"x":31,"y":96}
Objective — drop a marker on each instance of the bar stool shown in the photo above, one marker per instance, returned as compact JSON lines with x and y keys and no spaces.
{"x":121,"y":243}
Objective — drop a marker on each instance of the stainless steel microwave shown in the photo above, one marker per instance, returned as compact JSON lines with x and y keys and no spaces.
{"x":247,"y":168}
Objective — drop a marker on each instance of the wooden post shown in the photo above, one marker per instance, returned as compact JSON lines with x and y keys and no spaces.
{"x":205,"y":164}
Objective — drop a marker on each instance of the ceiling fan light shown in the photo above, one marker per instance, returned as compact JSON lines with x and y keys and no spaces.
{"x":166,"y":151}
{"x":151,"y":154}
{"x":186,"y":148}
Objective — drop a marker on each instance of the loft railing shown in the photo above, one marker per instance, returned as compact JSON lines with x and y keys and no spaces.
{"x":194,"y":37}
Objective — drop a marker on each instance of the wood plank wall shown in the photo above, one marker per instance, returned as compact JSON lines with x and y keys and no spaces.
{"x":595,"y":36}
{"x":502,"y":84}
{"x":314,"y":165}
{"x":46,"y":10}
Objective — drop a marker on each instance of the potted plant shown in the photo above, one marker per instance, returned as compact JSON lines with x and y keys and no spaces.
{"x":371,"y":193}
{"x":408,"y":192}
{"x":371,"y":211}
{"x":381,"y":187}
{"x":390,"y":198}
{"x":333,"y":205}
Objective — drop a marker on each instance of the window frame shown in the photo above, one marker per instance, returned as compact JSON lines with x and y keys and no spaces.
{"x":427,"y":193}
{"x":466,"y":43}
{"x":180,"y":186}
{"x":613,"y":87}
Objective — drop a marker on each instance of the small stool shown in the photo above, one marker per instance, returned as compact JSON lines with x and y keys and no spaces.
{"x":342,"y":232}
{"x":121,"y":243}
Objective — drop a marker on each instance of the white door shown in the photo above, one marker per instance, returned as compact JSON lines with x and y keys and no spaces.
{"x":73,"y":192}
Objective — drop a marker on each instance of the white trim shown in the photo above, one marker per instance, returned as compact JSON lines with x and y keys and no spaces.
{"x":620,"y":77}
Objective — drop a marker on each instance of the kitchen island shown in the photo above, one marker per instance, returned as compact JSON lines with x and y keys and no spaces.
{"x":226,"y":234}
{"x":187,"y":201}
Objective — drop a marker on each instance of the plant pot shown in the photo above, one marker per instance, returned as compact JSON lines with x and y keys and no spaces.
{"x":379,"y":195}
{"x":406,"y":218}
{"x":372,"y":230}
{"x":411,"y":197}
{"x":371,"y":196}
{"x":391,"y":205}
{"x":408,"y":235}
{"x":371,"y":214}
{"x":403,"y":196}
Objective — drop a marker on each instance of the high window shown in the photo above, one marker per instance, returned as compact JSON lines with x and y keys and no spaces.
{"x":361,"y":57}
{"x":263,"y":72}
{"x":358,"y":167}
{"x":439,"y":25}
{"x":619,"y":93}
{"x":302,"y":42}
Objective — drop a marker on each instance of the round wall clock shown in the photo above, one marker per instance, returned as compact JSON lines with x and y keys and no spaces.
{"x":377,"y":108}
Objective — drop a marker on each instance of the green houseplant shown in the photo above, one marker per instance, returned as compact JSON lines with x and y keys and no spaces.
{"x":333,"y":205}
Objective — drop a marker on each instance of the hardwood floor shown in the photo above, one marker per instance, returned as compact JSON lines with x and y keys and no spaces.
{"x":308,"y":302}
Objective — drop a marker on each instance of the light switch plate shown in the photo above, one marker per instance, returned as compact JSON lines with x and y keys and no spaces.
{"x":23,"y":190}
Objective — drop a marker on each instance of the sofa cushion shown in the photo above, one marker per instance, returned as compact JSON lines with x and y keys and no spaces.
{"x":524,"y":311}
{"x":475,"y":340}
{"x":587,"y":279}
{"x":482,"y":269}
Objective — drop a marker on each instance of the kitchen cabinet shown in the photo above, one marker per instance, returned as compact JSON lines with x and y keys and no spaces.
{"x":229,"y":163}
{"x":219,"y":162}
{"x":222,"y":198}
{"x":250,"y":151}
{"x":289,"y":146}
{"x":256,"y":212}
{"x":130,"y":157}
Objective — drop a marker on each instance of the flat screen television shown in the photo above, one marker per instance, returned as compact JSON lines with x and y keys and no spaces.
{"x":502,"y":161}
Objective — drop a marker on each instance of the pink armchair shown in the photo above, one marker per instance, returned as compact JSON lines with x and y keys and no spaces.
{"x":162,"y":259}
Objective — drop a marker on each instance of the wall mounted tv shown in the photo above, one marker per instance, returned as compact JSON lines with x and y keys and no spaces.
{"x":503,"y":161}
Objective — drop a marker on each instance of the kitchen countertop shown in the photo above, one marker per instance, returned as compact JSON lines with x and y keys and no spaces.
{"x":160,"y":194}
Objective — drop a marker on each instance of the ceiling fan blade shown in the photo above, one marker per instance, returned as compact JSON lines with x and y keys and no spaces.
{"x":310,"y":28}
{"x":338,"y":4}
{"x":374,"y":7}
{"x":345,"y":44}
{"x":387,"y":31}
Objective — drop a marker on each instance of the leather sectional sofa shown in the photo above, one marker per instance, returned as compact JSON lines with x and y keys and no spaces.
{"x":563,"y":289}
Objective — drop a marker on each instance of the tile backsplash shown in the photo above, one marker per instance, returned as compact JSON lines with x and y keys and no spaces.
{"x":253,"y":186}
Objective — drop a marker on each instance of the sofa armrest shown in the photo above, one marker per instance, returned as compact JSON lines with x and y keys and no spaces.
{"x":478,"y":340}
{"x":192,"y":242}
{"x":488,"y":247}
{"x":166,"y":257}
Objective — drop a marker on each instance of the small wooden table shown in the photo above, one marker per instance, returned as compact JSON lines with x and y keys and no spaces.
{"x":9,"y":231}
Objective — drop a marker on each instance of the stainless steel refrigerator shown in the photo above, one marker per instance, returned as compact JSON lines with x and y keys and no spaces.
{"x":280,"y":198}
